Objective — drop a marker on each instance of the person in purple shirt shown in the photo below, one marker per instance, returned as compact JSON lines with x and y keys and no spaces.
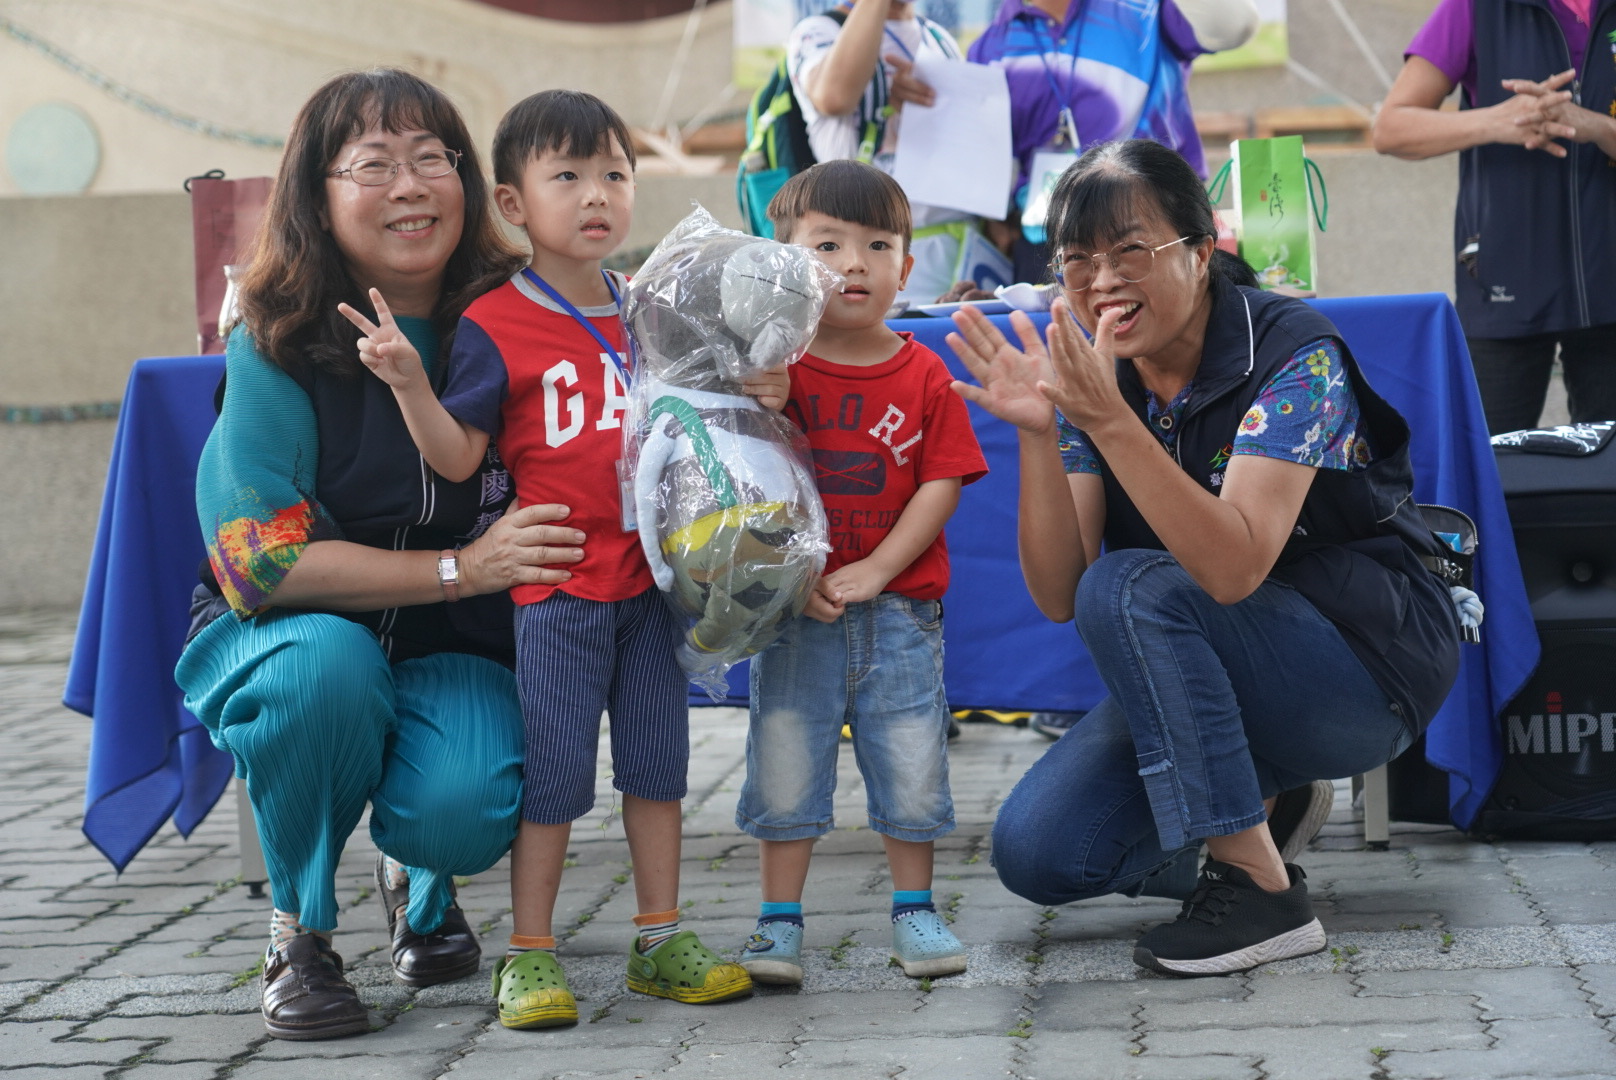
{"x":1533,"y":232}
{"x":1083,"y":72}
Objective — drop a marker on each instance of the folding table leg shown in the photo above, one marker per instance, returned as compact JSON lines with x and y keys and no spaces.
{"x":253,"y":873}
{"x":1376,"y":810}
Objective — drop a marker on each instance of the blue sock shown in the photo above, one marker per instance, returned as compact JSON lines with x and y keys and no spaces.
{"x":905,"y":902}
{"x":791,"y":913}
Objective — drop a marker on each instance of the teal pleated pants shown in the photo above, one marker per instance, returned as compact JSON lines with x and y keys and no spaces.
{"x":320,"y":723}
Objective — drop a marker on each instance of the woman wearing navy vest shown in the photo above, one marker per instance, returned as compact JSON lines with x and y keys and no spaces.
{"x":1534,"y":231}
{"x":1260,"y":616}
{"x":352,"y":639}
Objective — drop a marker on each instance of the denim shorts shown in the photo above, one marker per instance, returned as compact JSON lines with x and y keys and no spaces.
{"x":879,"y":668}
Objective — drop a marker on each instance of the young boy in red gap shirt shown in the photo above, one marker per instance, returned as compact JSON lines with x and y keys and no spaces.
{"x":541,"y":360}
{"x":892,"y":445}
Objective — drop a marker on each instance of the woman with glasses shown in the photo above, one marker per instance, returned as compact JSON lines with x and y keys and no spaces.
{"x":352,"y":637}
{"x":1261,"y":614}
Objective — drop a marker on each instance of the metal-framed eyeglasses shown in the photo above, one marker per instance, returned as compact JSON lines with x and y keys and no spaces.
{"x":374,"y":172}
{"x":1130,"y":261}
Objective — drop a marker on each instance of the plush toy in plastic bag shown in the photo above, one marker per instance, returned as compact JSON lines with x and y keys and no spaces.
{"x":724,"y":488}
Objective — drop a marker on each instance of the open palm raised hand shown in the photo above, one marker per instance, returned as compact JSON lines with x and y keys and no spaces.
{"x":384,"y":349}
{"x":1009,"y":377}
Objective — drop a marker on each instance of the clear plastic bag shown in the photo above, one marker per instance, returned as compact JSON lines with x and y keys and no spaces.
{"x":724,"y":493}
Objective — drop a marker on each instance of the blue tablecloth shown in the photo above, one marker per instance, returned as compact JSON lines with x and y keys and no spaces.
{"x":150,"y":760}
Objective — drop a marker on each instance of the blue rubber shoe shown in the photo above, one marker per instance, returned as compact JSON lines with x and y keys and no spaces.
{"x":773,"y":954}
{"x":924,"y":946}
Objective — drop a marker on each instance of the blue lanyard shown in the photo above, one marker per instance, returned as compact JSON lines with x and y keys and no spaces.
{"x":1041,"y":32}
{"x":578,"y":316}
{"x":907,"y":55}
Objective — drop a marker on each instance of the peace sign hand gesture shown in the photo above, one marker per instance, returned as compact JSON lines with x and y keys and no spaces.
{"x":384,"y":349}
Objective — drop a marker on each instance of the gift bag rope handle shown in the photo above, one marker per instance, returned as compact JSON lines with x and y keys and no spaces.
{"x":1320,"y":198}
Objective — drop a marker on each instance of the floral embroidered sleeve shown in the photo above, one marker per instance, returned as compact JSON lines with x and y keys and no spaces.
{"x":255,"y":481}
{"x":1075,"y":452}
{"x":1307,"y":413}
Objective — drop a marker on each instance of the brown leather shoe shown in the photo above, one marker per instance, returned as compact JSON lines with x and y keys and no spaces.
{"x":450,"y":952}
{"x":305,"y":995}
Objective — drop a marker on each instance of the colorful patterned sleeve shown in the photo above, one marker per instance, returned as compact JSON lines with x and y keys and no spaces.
{"x":1075,"y":452}
{"x":255,"y":481}
{"x":1307,"y":413}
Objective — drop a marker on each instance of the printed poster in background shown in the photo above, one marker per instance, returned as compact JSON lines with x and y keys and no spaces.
{"x":1268,"y":47}
{"x":762,"y":27}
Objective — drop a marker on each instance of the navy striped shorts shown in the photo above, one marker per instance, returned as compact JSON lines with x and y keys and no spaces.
{"x":577,"y":658}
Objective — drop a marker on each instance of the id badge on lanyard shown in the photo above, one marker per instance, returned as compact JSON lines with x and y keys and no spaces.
{"x":1045,"y":172}
{"x":625,"y":478}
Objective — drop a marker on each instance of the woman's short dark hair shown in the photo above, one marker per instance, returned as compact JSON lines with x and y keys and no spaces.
{"x":1108,"y":190}
{"x":296,"y":274}
{"x":846,"y":190}
{"x":570,"y":122}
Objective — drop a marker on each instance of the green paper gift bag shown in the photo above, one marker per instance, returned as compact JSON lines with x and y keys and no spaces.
{"x":1276,"y":207}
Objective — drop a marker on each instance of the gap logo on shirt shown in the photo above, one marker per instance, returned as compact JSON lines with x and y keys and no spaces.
{"x":564,"y":412}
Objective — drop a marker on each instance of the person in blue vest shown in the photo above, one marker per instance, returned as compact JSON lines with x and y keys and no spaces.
{"x":1261,"y":615}
{"x":352,"y":640}
{"x":1534,"y":232}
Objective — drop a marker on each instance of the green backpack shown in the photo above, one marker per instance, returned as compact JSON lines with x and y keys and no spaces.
{"x":777,"y":142}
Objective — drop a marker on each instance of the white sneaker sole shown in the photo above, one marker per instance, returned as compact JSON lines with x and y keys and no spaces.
{"x":1321,"y":800}
{"x":1303,"y":941}
{"x":925,"y":969}
{"x":774,"y":972}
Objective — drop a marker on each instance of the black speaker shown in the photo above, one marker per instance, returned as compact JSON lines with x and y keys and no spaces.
{"x":1559,"y":734}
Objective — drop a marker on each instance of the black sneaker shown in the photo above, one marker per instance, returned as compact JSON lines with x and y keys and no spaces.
{"x":1232,"y":924}
{"x":1298,"y":816}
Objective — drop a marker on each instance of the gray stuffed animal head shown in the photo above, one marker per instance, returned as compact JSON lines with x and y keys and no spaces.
{"x":712,"y":306}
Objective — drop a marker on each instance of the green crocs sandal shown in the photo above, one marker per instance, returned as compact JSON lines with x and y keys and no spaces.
{"x":683,"y":969}
{"x":532,"y":992}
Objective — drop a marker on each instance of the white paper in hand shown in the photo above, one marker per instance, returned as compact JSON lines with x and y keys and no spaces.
{"x":957,"y":152}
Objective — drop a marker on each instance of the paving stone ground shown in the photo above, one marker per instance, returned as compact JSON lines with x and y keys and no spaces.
{"x":1448,"y":958}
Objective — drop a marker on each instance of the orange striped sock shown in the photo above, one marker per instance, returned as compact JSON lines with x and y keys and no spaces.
{"x":521,"y":943}
{"x":656,"y":927}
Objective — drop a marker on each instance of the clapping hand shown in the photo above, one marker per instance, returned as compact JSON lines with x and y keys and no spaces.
{"x":1009,"y":377}
{"x":1019,"y":386}
{"x":384,"y":349}
{"x":1085,"y":384}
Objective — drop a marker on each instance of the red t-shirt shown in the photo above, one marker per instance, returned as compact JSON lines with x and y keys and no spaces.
{"x":529,"y":375}
{"x":877,"y":434}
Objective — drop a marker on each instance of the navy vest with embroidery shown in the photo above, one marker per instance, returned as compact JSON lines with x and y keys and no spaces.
{"x":1355,"y":551}
{"x":1545,"y":226}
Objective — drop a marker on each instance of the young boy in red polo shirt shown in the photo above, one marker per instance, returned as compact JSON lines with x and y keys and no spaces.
{"x":892,"y":445}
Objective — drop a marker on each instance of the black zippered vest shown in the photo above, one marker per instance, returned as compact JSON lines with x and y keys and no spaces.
{"x":1545,"y":226}
{"x":1354,"y":553}
{"x":382,"y":493}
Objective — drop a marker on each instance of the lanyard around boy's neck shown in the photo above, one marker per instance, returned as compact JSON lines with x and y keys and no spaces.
{"x":582,"y":320}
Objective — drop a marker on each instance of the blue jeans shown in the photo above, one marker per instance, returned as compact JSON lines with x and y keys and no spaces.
{"x":1211,"y":709}
{"x":879,"y":668}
